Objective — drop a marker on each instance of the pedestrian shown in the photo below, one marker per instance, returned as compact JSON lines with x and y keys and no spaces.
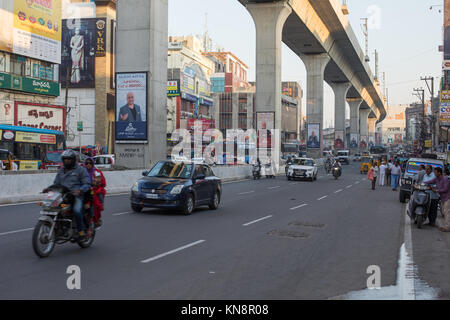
{"x":434,"y":197}
{"x":382,"y":174}
{"x":443,"y":188}
{"x":373,"y":173}
{"x":420,"y":174}
{"x":396,"y":171}
{"x":388,"y":173}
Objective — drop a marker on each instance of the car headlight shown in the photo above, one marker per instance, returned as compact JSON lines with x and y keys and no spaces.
{"x":177,"y":189}
{"x":135,"y":187}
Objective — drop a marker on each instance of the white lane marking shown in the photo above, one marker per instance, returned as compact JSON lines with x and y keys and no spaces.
{"x":122,"y":213}
{"x":322,"y":198}
{"x":119,"y":194}
{"x":229,"y":182}
{"x":275,"y":187}
{"x":340,"y":190}
{"x":357,"y":182}
{"x":293,"y":183}
{"x":16,"y":231}
{"x":298,"y":207}
{"x":159,"y":256}
{"x":17,"y":204}
{"x":348,"y":187}
{"x":255,"y":221}
{"x":242,"y":193}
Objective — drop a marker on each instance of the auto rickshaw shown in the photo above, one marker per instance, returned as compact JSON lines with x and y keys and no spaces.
{"x":366,"y":164}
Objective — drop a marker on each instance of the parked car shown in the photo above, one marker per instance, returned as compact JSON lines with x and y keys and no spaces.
{"x":104,"y":161}
{"x":177,"y":185}
{"x":302,"y":168}
{"x":411,"y":168}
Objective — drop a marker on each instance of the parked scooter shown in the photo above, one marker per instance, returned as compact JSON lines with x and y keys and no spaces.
{"x":419,"y":205}
{"x":256,"y":170}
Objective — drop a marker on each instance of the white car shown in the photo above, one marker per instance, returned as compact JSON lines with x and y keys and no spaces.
{"x":104,"y":161}
{"x":302,"y":168}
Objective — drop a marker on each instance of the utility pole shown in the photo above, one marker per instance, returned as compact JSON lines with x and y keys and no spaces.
{"x":420,"y":93}
{"x":376,"y":66}
{"x":432,"y":120}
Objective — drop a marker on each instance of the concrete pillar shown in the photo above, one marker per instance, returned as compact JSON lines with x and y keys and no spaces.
{"x":354,"y":120}
{"x":363,"y":125}
{"x":340,"y":90}
{"x":315,"y":68}
{"x":250,"y":110}
{"x":141,"y":46}
{"x":216,"y":109}
{"x":269,"y":20}
{"x":371,"y":124}
{"x":235,"y":110}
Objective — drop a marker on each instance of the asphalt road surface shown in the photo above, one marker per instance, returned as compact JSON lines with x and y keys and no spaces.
{"x":270,"y":239}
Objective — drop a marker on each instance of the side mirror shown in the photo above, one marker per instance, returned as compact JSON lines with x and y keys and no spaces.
{"x":145,"y":173}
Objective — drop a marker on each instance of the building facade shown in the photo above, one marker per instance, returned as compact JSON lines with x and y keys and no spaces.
{"x":392,"y":130}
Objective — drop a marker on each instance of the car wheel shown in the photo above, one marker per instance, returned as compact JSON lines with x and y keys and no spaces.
{"x":188,"y":205}
{"x":136,"y":208}
{"x":215,"y":201}
{"x":402,"y":197}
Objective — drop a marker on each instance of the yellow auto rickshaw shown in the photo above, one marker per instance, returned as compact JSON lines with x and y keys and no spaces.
{"x":366,"y":164}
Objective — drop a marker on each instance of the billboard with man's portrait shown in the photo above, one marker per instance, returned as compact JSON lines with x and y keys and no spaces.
{"x":354,"y":140}
{"x":131,"y":106}
{"x":313,"y":141}
{"x":339,"y":140}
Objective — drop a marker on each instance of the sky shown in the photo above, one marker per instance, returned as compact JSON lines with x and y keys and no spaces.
{"x":406,"y":34}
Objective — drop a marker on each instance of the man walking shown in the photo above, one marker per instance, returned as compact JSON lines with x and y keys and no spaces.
{"x":443,"y":188}
{"x":396,"y":171}
{"x":429,"y":176}
{"x":382,"y":174}
{"x":388,"y":173}
{"x":373,"y":173}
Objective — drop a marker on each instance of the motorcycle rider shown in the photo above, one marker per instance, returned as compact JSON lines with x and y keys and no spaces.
{"x":76,"y":179}
{"x":337,"y":164}
{"x":328,"y":164}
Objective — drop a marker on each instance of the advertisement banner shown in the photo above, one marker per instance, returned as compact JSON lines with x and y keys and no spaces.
{"x":339,"y":140}
{"x":354,"y":139}
{"x":363,"y":142}
{"x":313,"y":136}
{"x":265,"y":121}
{"x":206,"y":124}
{"x":79,"y":49}
{"x":31,"y":28}
{"x":445,"y":108}
{"x":6,"y":112}
{"x":131,"y":106}
{"x":32,"y":137}
{"x":39,"y":116}
{"x":173,"y":90}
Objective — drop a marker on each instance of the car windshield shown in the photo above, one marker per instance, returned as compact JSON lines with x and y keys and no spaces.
{"x":413,"y":166}
{"x":53,"y":157}
{"x":342,"y":154}
{"x":303,"y":162}
{"x":170,"y":169}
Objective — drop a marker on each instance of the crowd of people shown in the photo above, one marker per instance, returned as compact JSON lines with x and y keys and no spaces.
{"x":389,"y":174}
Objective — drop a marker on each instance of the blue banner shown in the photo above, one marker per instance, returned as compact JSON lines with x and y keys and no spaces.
{"x":131,"y":131}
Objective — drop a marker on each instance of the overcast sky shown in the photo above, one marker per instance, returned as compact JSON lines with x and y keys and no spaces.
{"x":406,"y":33}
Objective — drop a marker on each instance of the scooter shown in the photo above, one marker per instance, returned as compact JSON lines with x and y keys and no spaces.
{"x":268,"y":171}
{"x":419,"y":205}
{"x":256,"y":170}
{"x":336,"y":173}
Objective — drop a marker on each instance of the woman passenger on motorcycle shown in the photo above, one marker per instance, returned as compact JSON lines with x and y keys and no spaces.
{"x":92,"y":172}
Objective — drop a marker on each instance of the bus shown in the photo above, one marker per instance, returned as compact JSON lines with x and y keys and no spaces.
{"x":29,"y":146}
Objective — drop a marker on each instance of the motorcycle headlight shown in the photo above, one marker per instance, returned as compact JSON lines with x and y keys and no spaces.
{"x":177,"y":189}
{"x":135,"y":187}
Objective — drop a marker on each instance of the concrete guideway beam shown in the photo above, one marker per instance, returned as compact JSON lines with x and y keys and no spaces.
{"x":340,"y":90}
{"x":315,"y":68}
{"x":269,"y":19}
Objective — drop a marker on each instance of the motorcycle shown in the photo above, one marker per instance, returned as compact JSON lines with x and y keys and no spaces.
{"x":268,"y":171}
{"x":419,"y":205}
{"x":57,"y":224}
{"x":336,"y":172}
{"x":256,"y":170}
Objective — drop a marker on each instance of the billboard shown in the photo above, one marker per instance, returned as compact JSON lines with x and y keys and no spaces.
{"x":31,"y":28}
{"x":354,"y":140}
{"x":339,"y":140}
{"x":6,"y":112}
{"x":265,"y":121}
{"x":313,"y":136}
{"x":79,"y":49}
{"x":131,"y":106}
{"x":39,"y":116}
{"x":445,"y":108}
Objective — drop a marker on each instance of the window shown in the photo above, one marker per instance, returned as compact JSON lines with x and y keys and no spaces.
{"x":17,"y":65}
{"x":208,"y":172}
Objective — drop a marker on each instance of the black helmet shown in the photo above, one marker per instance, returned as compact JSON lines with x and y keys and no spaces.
{"x":69,"y":154}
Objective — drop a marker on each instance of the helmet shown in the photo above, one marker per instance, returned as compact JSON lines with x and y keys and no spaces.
{"x":69,"y":154}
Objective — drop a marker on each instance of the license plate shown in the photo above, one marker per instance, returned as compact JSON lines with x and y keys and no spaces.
{"x":152,"y":196}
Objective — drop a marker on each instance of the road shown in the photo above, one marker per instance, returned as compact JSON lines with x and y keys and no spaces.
{"x":270,"y":239}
